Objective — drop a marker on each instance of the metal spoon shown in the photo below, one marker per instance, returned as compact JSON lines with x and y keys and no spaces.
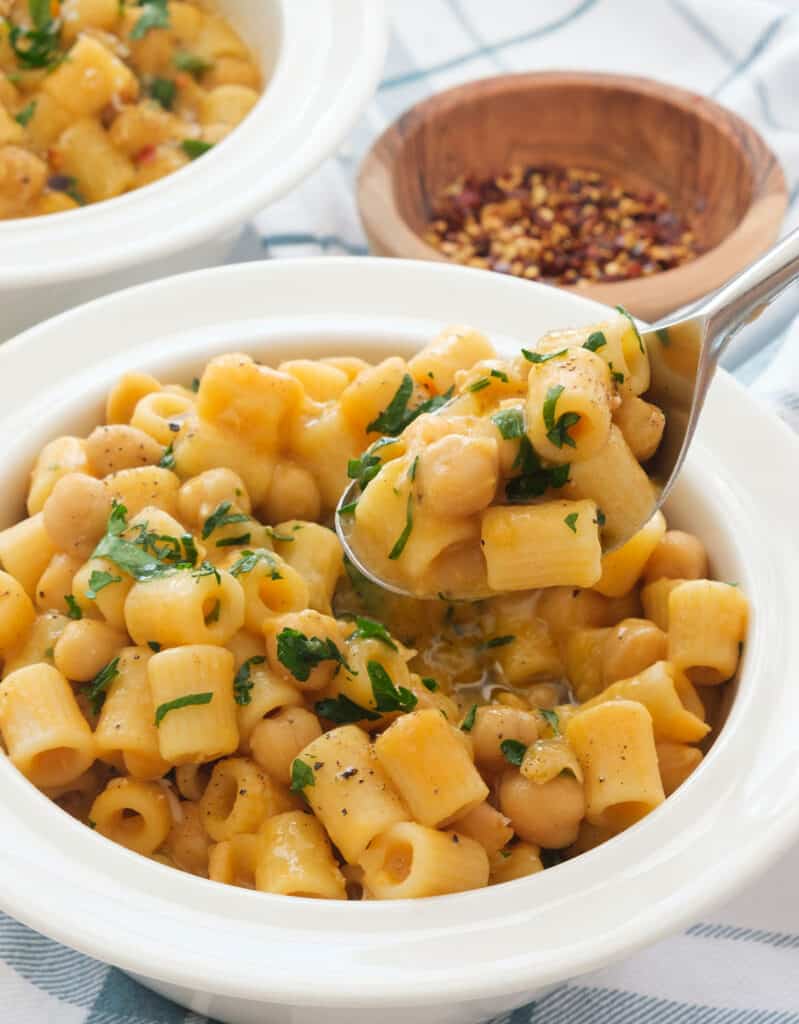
{"x":683,"y":356}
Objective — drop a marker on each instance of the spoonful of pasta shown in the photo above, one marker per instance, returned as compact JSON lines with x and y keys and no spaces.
{"x":490,"y":475}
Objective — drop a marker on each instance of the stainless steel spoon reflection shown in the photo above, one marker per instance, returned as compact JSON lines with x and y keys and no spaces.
{"x":683,"y":356}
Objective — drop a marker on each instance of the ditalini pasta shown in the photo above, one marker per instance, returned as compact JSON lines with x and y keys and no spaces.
{"x":192,"y":668}
{"x":100,"y":97}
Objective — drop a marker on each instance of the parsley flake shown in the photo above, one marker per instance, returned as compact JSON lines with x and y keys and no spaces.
{"x":496,"y":641}
{"x":429,"y":683}
{"x":187,"y":701}
{"x":571,"y":521}
{"x":98,"y":687}
{"x":558,"y":430}
{"x":370,"y":629}
{"x":513,"y":751}
{"x":595,"y":341}
{"x":301,"y":776}
{"x":389,"y":697}
{"x":301,"y":654}
{"x":468,"y":722}
{"x":538,"y":357}
{"x":155,"y":15}
{"x":221,"y":516}
{"x":154,"y":645}
{"x":242,"y":684}
{"x":402,"y":540}
{"x":552,"y":719}
{"x":634,"y":325}
{"x":479,"y":385}
{"x":397,"y":416}
{"x":163,"y":91}
{"x":190,"y":62}
{"x":167,"y":460}
{"x":509,"y":422}
{"x":98,"y":581}
{"x":74,"y":610}
{"x":343,"y":711}
{"x":24,"y":116}
{"x":194,"y":148}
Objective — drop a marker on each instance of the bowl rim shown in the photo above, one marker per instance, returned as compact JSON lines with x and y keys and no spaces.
{"x":65,"y":881}
{"x":310,"y":102}
{"x":390,"y":233}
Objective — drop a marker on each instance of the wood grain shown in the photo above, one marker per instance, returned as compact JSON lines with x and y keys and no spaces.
{"x":715,"y":168}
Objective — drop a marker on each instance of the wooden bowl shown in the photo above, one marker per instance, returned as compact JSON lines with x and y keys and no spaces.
{"x":715,"y":168}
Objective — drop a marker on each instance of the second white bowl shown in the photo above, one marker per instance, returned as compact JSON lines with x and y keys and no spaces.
{"x":321,"y":61}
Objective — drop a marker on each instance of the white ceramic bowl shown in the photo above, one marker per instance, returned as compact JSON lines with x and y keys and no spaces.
{"x":247,"y":957}
{"x":321,"y":59}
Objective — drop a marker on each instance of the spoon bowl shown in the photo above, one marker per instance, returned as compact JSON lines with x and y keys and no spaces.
{"x":683,"y":355}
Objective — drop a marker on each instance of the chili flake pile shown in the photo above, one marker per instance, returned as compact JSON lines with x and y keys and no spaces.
{"x":561,"y":225}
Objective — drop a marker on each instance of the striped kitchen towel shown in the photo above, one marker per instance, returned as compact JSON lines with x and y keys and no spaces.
{"x":740,"y":964}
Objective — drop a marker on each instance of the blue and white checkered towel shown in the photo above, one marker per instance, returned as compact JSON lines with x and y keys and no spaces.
{"x":740,"y":965}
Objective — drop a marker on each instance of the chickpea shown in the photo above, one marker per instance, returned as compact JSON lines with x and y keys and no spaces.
{"x":76,"y":514}
{"x":312,"y":625}
{"x":492,"y":725}
{"x":458,"y":475}
{"x":548,"y":815}
{"x":293,"y":494}
{"x":280,"y":737}
{"x":679,"y":556}
{"x":85,"y":647}
{"x":199,"y":497}
{"x":630,"y":647}
{"x":119,"y":447}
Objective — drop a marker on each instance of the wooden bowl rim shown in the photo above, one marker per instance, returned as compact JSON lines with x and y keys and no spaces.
{"x":752,"y":235}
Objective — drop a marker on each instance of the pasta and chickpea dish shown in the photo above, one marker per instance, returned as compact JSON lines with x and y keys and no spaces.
{"x":100,"y":97}
{"x":192,"y":669}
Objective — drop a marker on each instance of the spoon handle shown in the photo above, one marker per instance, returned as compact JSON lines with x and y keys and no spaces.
{"x":746,"y":295}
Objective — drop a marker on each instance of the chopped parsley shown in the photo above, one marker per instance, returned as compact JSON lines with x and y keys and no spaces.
{"x":143,"y":559}
{"x":595,"y":341}
{"x":429,"y":683}
{"x":284,"y":538}
{"x":187,"y":701}
{"x":634,"y":325}
{"x":509,"y":422}
{"x":513,"y":751}
{"x":222,"y":516}
{"x":190,"y":62}
{"x":343,"y":711}
{"x":74,"y":610}
{"x":552,"y":719}
{"x":538,"y":357}
{"x":558,"y":430}
{"x":479,"y":385}
{"x":397,"y":416}
{"x":601,"y":518}
{"x":163,"y":91}
{"x":154,"y":645}
{"x":496,"y":641}
{"x":98,"y":687}
{"x":500,"y":375}
{"x":242,"y":684}
{"x":37,"y":47}
{"x":167,"y":460}
{"x":534,"y":479}
{"x":234,"y":542}
{"x":98,"y":581}
{"x":571,"y":521}
{"x":301,"y":654}
{"x":402,"y":540}
{"x":468,"y":721}
{"x":249,"y":559}
{"x":617,"y":376}
{"x":194,"y":148}
{"x":413,"y":469}
{"x":301,"y":776}
{"x":25,"y":115}
{"x":195,"y":385}
{"x":348,"y":509}
{"x":389,"y":697}
{"x":663,"y":336}
{"x":206,"y":569}
{"x":370,"y":629}
{"x":366,"y":468}
{"x":155,"y":15}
